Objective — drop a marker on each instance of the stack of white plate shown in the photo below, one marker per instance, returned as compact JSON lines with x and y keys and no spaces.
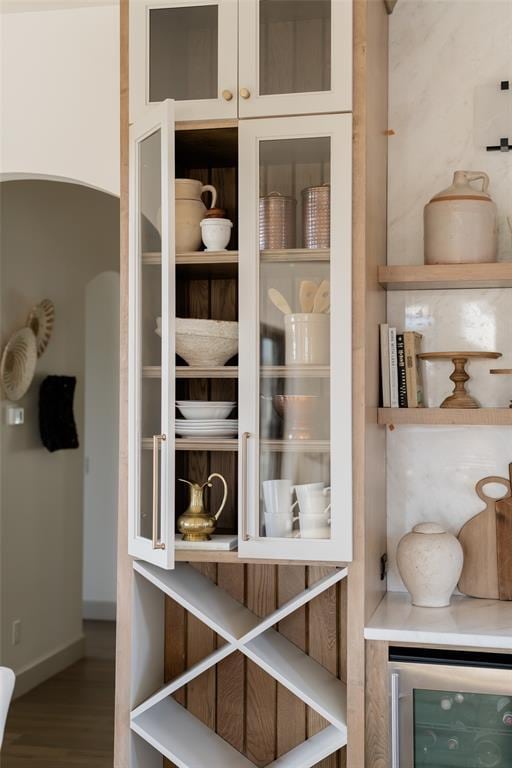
{"x":206,"y":419}
{"x":206,"y":427}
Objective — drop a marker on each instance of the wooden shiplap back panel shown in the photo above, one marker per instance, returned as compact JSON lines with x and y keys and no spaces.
{"x":237,"y":699}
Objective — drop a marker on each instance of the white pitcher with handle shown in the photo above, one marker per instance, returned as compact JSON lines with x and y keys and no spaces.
{"x":190,"y":211}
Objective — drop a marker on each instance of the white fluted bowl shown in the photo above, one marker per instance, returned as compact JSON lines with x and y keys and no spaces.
{"x":208,"y":343}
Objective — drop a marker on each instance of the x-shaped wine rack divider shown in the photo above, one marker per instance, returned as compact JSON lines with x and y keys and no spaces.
{"x":254,"y":637}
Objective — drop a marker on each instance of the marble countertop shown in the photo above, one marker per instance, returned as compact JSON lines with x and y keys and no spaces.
{"x":467,"y":622}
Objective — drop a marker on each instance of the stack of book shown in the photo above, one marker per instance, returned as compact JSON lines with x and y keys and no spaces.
{"x":402,"y":386}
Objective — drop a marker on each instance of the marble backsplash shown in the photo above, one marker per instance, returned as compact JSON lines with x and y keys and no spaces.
{"x":441,"y":51}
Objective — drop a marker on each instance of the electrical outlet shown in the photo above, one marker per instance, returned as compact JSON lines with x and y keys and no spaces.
{"x":16,"y":632}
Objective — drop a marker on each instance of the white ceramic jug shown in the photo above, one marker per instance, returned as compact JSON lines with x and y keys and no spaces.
{"x":461,"y":223}
{"x":430,"y":563}
{"x":190,"y":211}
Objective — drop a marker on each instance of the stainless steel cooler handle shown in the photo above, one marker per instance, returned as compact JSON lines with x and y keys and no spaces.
{"x":395,"y":720}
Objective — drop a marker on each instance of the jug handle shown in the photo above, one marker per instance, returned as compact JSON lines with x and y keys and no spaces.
{"x":224,"y":498}
{"x":210,"y":188}
{"x":479,"y":175}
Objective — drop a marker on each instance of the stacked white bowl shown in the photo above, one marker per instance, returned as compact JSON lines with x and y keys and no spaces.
{"x":206,"y":419}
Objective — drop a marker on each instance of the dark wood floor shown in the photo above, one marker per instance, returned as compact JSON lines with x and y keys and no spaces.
{"x":68,"y":721}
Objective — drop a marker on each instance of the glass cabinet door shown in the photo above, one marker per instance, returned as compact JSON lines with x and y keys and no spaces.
{"x":295,"y":338}
{"x":184,"y":50}
{"x":295,"y":57}
{"x":151,"y":343}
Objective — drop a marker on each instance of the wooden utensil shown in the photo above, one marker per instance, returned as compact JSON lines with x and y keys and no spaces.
{"x":460,"y":397}
{"x":504,"y":543}
{"x":478,"y":538}
{"x":279,"y":301}
{"x":322,"y":297}
{"x":307,"y":293}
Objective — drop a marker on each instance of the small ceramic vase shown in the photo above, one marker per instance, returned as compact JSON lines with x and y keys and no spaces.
{"x":430,"y":563}
{"x":216,"y":233}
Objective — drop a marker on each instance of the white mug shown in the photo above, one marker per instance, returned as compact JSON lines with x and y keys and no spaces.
{"x":315,"y":526}
{"x":312,"y":498}
{"x":277,"y":495}
{"x":279,"y":525}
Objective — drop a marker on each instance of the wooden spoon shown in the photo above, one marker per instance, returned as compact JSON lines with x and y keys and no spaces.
{"x":279,"y":301}
{"x":322,"y":297}
{"x":307,"y":293}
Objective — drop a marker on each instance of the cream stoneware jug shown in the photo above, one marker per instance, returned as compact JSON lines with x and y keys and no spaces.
{"x":190,"y":211}
{"x":430,"y":563}
{"x":461,"y":225}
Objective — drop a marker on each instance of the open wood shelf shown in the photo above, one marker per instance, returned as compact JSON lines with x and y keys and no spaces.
{"x":446,"y":416}
{"x":295,"y":371}
{"x":444,"y":276}
{"x":179,"y":735}
{"x":198,"y":444}
{"x":232,"y":557}
{"x":296,"y":254}
{"x":217,"y":258}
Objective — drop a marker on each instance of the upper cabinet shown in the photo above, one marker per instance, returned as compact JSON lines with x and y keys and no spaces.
{"x":295,"y":57}
{"x":252,"y":58}
{"x":184,"y":50}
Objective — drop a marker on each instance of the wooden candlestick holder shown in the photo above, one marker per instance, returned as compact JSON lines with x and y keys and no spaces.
{"x":504,"y":372}
{"x":460,"y":397}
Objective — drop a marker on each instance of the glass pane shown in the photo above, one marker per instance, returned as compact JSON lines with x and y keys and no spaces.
{"x":150,"y":247}
{"x":183,"y":58}
{"x":470,"y":730}
{"x":294,"y":275}
{"x":295,"y":46}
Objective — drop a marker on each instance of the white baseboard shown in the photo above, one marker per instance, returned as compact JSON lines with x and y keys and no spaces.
{"x":48,"y":666}
{"x":98,"y":610}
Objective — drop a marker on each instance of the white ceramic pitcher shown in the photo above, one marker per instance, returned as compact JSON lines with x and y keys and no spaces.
{"x":190,"y":211}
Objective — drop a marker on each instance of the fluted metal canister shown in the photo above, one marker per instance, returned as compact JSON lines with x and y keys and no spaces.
{"x":316,"y":216}
{"x":277,"y":222}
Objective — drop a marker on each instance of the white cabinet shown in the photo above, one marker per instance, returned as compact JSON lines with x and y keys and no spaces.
{"x":184,"y":50}
{"x":295,"y":57}
{"x":295,"y":467}
{"x":248,"y":58}
{"x":151,"y":357}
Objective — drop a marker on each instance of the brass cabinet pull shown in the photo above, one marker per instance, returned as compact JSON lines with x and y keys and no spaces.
{"x":245,"y":440}
{"x":157,"y":439}
{"x":245,"y":93}
{"x":227,"y":95}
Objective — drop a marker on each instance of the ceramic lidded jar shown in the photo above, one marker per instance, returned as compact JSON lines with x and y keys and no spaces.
{"x":460,"y":223}
{"x":190,"y":210}
{"x":430,"y":563}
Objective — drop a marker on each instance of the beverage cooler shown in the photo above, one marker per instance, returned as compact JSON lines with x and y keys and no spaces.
{"x":450,"y":709}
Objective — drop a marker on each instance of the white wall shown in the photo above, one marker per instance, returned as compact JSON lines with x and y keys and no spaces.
{"x":59,"y":94}
{"x":101,"y":444}
{"x":440,"y":52}
{"x":54,"y":239}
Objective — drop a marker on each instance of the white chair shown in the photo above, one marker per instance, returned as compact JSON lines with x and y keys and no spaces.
{"x":7,"y":678}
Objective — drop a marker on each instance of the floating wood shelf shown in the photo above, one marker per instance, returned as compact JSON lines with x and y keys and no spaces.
{"x":193,"y":372}
{"x":180,"y":736}
{"x":446,"y":416}
{"x":442,"y":276}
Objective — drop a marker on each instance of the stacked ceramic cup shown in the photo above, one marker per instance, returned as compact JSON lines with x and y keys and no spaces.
{"x":277,"y":498}
{"x":314,"y":510}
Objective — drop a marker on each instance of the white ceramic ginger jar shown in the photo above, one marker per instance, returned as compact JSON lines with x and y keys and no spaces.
{"x":430,"y":563}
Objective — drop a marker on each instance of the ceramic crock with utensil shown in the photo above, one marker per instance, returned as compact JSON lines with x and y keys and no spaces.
{"x":196,"y":524}
{"x":316,"y":216}
{"x":190,"y":211}
{"x":307,"y":338}
{"x":461,"y":223}
{"x":277,"y":221}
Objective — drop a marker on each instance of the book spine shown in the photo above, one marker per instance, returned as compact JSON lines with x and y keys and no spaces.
{"x":384,"y":365}
{"x":402,"y":376}
{"x":393,"y":369}
{"x":412,"y":344}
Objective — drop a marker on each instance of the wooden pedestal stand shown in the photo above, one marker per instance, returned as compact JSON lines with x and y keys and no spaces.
{"x":460,"y":397}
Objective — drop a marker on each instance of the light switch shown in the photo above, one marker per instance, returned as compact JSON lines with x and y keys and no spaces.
{"x":15,"y":416}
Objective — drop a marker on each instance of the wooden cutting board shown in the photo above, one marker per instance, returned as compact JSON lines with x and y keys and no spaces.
{"x":504,"y":543}
{"x":479,"y":539}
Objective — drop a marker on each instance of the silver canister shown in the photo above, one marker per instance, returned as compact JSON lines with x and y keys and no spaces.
{"x":316,"y":216}
{"x":277,"y":222}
